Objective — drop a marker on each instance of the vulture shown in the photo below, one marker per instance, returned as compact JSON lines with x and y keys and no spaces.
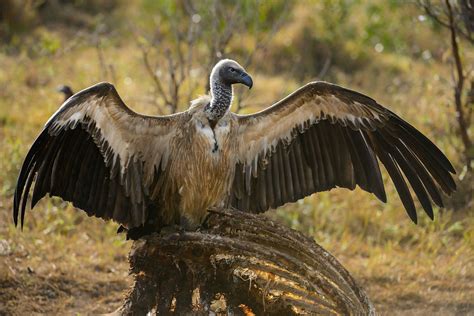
{"x":66,"y":91}
{"x":148,"y":172}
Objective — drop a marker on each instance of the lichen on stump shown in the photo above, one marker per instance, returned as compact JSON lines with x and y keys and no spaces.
{"x":239,"y":264}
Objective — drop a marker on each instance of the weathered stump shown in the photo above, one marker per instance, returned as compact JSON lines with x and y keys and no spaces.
{"x":240,"y":264}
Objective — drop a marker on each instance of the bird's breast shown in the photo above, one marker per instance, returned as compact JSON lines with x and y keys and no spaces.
{"x":202,"y":170}
{"x":212,"y":140}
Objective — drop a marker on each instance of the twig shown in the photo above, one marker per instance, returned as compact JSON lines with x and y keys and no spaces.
{"x":428,"y":7}
{"x":154,"y":76}
{"x":463,"y":114}
{"x":174,"y":84}
{"x":261,"y":44}
{"x":325,"y":68}
{"x":113,"y":74}
{"x":459,"y":87}
{"x":102,"y":63}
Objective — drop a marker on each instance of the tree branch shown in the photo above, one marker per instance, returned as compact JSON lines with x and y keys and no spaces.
{"x":460,"y":115}
{"x":154,"y":76}
{"x":430,"y":11}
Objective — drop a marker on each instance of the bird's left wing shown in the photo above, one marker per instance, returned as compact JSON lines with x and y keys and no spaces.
{"x":324,"y":136}
{"x":98,"y":154}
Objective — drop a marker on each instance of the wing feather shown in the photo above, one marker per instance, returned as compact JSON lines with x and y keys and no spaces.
{"x":270,"y":192}
{"x":98,"y":154}
{"x":277,"y":184}
{"x":297,"y":180}
{"x":310,"y":154}
{"x":421,"y":172}
{"x":324,"y":136}
{"x":398,"y":180}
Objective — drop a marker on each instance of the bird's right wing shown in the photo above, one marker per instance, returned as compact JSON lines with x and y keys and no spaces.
{"x":98,"y":154}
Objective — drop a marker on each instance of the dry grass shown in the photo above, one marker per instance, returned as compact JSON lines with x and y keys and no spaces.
{"x":64,"y":261}
{"x":68,"y":264}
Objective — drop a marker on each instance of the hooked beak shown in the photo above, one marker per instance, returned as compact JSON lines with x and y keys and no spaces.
{"x":246,"y":80}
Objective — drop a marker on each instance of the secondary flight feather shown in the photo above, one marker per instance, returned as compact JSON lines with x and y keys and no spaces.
{"x":146,"y":172}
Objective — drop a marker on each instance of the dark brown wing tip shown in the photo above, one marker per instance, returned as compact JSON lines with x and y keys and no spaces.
{"x":26,"y":172}
{"x":25,"y":179}
{"x":425,"y":141}
{"x":381,"y":195}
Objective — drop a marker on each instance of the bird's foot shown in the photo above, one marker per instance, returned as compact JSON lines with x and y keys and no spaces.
{"x":188,"y":225}
{"x":171,"y":229}
{"x":205,"y":223}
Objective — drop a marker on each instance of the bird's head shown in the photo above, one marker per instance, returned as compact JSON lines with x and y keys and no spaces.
{"x":230,"y":72}
{"x":66,"y":90}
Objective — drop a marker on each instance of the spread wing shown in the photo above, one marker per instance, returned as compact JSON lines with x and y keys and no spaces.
{"x":324,"y":136}
{"x":98,"y":154}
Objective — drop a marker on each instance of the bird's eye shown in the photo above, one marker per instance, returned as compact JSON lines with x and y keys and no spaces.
{"x":231,"y":69}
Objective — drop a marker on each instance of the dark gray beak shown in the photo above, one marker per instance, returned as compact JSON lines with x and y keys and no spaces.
{"x":246,"y":80}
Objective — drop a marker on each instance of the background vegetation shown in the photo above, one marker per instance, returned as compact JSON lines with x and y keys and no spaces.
{"x":158,"y":55}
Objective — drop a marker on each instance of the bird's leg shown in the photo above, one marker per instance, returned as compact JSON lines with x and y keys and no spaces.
{"x":187,"y":225}
{"x":205,"y":222}
{"x":171,"y":229}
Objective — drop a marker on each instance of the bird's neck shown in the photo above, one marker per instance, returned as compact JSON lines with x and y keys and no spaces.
{"x":221,"y":99}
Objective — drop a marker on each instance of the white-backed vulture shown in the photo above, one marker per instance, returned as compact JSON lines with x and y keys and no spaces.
{"x":66,"y":91}
{"x":146,"y":172}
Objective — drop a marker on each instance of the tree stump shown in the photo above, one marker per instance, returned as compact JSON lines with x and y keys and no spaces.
{"x":239,"y":264}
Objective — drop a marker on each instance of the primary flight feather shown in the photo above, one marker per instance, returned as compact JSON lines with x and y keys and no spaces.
{"x":146,"y":172}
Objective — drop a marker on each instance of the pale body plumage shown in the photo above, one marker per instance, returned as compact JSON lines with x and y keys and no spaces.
{"x":148,"y":172}
{"x":202,"y":177}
